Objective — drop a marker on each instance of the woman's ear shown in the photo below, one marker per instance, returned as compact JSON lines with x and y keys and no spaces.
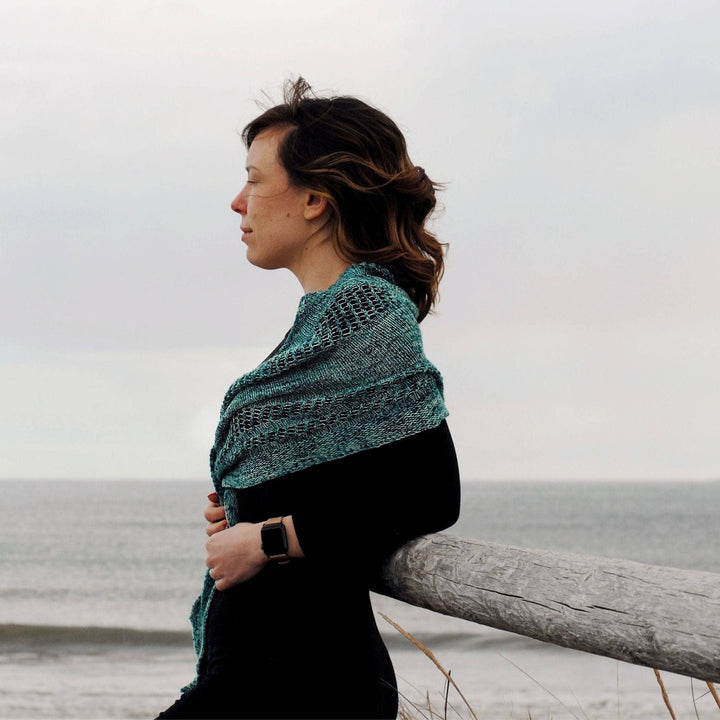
{"x":315,"y":206}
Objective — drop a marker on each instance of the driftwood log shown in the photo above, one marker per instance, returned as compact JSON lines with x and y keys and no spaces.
{"x":660,"y":617}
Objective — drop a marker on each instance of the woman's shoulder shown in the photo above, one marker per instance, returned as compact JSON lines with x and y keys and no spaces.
{"x":362,"y":308}
{"x":367,"y":291}
{"x":369,"y":276}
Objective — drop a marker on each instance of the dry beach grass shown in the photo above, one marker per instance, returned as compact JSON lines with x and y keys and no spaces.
{"x":410,"y":710}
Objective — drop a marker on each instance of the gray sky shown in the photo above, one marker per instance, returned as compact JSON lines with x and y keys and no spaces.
{"x":578,"y":328}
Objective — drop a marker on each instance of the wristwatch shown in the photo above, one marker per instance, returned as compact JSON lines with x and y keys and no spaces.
{"x":274,"y":540}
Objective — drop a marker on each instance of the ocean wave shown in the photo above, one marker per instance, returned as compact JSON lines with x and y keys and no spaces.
{"x":25,"y":636}
{"x":462,"y":642}
{"x":94,"y":635}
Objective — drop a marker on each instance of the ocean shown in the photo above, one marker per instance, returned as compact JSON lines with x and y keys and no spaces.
{"x":97,"y":580}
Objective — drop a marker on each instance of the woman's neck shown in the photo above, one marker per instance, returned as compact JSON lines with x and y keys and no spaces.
{"x":321,"y":268}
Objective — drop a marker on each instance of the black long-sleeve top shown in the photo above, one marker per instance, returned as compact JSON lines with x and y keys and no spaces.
{"x":300,"y":639}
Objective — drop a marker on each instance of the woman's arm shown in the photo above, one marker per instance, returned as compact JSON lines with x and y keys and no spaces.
{"x":351,"y":512}
{"x":362,"y":507}
{"x":235,"y":554}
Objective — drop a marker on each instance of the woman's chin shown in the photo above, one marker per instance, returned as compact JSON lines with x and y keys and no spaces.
{"x":259,"y":261}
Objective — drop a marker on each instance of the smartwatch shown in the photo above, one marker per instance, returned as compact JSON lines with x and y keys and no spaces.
{"x":274,"y":540}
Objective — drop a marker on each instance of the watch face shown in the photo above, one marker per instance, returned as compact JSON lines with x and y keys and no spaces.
{"x":274,"y":540}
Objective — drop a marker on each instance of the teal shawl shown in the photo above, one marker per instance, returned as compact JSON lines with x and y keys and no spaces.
{"x":350,"y":375}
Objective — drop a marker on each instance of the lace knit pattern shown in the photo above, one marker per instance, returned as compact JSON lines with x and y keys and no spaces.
{"x":350,"y":375}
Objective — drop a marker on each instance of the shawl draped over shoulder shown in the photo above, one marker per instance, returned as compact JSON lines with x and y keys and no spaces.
{"x":350,"y":375}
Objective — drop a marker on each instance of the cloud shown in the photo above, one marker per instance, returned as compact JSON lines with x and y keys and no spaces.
{"x":578,"y":145}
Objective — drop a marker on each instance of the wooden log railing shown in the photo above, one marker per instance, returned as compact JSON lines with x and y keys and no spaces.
{"x":663,"y":618}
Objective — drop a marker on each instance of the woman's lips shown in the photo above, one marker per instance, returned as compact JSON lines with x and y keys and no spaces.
{"x":245,"y":232}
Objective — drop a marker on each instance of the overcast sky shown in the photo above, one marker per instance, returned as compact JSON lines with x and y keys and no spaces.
{"x":578,"y":329}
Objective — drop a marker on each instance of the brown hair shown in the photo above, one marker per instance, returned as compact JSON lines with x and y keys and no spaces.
{"x":356,"y":156}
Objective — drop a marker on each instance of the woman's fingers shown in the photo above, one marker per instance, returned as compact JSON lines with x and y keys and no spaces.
{"x":214,"y":513}
{"x":215,"y":527}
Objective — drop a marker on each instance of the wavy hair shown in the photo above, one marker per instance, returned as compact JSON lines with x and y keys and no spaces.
{"x":355,"y":156}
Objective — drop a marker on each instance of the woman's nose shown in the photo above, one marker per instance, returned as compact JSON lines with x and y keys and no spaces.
{"x":238,"y":204}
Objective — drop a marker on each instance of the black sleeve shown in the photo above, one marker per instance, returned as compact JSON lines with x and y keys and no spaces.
{"x":362,"y":507}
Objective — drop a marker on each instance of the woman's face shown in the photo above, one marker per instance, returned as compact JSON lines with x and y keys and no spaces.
{"x":274,"y":226}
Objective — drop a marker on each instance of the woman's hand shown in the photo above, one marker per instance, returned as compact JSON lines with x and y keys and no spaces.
{"x":235,"y":554}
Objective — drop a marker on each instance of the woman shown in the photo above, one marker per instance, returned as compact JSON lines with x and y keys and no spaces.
{"x":334,"y":452}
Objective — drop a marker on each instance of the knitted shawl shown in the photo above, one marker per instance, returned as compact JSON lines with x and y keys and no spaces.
{"x":350,"y":375}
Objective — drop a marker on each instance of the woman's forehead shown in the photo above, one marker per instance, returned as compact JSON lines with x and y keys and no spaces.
{"x":264,"y":148}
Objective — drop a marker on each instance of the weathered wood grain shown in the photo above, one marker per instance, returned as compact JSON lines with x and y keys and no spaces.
{"x":659,"y":617}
